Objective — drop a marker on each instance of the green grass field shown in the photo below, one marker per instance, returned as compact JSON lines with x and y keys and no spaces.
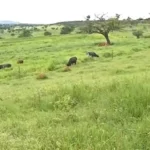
{"x":101,"y":104}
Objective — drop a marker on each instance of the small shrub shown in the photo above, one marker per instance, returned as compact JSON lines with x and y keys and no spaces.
{"x":12,"y":34}
{"x":36,"y":29}
{"x":25,"y":33}
{"x":47,"y":33}
{"x":52,"y":66}
{"x":67,"y":29}
{"x":137,"y":33}
{"x":41,"y":76}
{"x":56,"y":64}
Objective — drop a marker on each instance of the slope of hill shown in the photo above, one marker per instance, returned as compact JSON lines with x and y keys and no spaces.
{"x":99,"y":104}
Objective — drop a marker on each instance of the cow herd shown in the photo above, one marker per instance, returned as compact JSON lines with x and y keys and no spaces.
{"x":72,"y":60}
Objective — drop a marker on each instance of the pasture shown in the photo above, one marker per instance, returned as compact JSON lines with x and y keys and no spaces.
{"x":99,"y":104}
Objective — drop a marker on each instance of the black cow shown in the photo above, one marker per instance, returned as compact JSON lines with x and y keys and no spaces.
{"x":72,"y":60}
{"x":5,"y":66}
{"x":20,"y":61}
{"x":92,"y":54}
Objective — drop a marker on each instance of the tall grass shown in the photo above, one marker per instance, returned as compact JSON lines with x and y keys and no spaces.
{"x":99,"y":115}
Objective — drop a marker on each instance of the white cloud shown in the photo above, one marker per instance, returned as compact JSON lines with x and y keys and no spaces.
{"x":49,"y":11}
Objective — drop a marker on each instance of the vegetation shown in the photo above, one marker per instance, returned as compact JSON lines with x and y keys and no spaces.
{"x":12,"y":34}
{"x":25,"y":33}
{"x":102,"y":26}
{"x":67,"y":29}
{"x":137,"y":33}
{"x":100,"y":103}
{"x":47,"y":33}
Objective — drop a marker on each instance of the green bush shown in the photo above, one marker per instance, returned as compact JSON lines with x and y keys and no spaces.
{"x":47,"y":33}
{"x":52,"y":65}
{"x":137,"y":33}
{"x":25,"y":33}
{"x":12,"y":34}
{"x":67,"y":29}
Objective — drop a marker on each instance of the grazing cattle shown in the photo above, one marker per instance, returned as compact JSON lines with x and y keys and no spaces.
{"x":92,"y":54}
{"x":5,"y":66}
{"x":72,"y":60}
{"x":20,"y":61}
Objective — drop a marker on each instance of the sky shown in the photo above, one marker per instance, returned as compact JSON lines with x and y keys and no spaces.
{"x":52,"y":11}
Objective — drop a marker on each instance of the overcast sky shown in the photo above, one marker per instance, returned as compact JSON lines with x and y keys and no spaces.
{"x":51,"y":11}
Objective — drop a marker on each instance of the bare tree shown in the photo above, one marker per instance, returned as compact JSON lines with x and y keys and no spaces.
{"x":104,"y":26}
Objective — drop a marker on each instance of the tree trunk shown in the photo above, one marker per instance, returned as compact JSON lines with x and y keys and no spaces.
{"x":107,"y":38}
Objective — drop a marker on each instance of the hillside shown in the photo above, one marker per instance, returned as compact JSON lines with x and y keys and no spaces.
{"x":100,"y":103}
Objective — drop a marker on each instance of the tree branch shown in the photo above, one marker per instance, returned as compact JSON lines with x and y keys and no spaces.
{"x":101,"y":18}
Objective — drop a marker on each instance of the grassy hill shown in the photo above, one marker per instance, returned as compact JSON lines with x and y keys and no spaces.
{"x":100,"y":104}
